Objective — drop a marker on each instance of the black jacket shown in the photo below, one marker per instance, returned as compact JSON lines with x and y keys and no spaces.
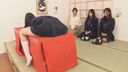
{"x":92,"y":25}
{"x":47,"y":26}
{"x":107,"y":26}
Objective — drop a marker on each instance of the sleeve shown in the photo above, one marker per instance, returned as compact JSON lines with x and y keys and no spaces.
{"x":86,"y":25}
{"x":79,"y":21}
{"x":100,"y":27}
{"x":112,"y":26}
{"x":95,"y":25}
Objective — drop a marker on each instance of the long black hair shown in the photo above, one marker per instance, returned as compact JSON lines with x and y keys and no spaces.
{"x":109,"y":11}
{"x":93,"y":14}
{"x":28,"y":18}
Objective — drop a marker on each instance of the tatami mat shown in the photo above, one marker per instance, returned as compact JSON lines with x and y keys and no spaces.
{"x":85,"y":67}
{"x":108,"y":57}
{"x":118,"y":45}
{"x":103,"y":57}
{"x":18,"y":61}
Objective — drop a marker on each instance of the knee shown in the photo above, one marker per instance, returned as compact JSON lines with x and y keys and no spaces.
{"x":22,"y":35}
{"x":21,"y":32}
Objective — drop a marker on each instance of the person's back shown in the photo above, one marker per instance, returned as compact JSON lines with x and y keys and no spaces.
{"x":45,"y":26}
{"x":48,"y":26}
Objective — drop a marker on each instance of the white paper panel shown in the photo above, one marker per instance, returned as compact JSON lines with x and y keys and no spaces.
{"x":83,"y":6}
{"x":107,"y":4}
{"x":98,"y":5}
{"x":99,"y":14}
{"x":78,"y":6}
{"x":83,"y":14}
{"x":91,"y":5}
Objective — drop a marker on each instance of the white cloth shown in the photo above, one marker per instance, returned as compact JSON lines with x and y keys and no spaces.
{"x":74,"y":21}
{"x":25,"y":46}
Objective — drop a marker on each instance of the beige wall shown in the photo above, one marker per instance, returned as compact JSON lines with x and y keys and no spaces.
{"x":11,"y":15}
{"x":121,"y":30}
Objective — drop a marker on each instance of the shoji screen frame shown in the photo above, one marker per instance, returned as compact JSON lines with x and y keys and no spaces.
{"x":87,"y":3}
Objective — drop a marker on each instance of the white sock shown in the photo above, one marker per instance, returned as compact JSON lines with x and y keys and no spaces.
{"x":86,"y":38}
{"x":82,"y":38}
{"x":100,"y":40}
{"x":25,"y":46}
{"x":94,"y":40}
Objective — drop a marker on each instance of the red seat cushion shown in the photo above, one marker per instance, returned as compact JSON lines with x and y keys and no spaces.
{"x":60,"y":52}
{"x":50,"y":54}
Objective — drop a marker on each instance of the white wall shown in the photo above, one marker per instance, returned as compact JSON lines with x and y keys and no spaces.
{"x":121,"y":30}
{"x":63,"y":9}
{"x":12,"y":14}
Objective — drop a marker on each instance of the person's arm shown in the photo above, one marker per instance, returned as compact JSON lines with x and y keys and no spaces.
{"x":86,"y":25}
{"x":112,"y":26}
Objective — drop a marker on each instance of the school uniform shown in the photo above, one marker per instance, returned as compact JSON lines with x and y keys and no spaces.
{"x":107,"y":26}
{"x":91,"y":25}
{"x":47,"y":26}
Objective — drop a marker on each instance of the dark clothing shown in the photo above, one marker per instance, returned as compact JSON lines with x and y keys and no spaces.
{"x":47,"y":26}
{"x":28,"y":23}
{"x":107,"y":26}
{"x":91,"y":25}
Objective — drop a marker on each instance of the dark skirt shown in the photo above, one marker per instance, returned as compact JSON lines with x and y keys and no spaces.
{"x":91,"y":35}
{"x":109,"y":37}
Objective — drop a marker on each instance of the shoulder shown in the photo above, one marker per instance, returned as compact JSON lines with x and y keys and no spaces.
{"x":78,"y":16}
{"x":113,"y":19}
{"x":71,"y":16}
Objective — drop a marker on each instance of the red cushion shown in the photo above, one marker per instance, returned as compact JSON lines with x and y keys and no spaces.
{"x":60,"y":52}
{"x":50,"y":54}
{"x":37,"y":54}
{"x":18,"y":44}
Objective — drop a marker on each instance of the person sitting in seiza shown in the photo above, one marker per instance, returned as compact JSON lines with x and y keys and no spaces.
{"x":107,"y":25}
{"x":90,"y":27}
{"x":74,"y":22}
{"x":44,"y":26}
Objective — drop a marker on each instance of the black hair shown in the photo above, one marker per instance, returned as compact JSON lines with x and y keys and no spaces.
{"x":28,"y":18}
{"x":108,"y":10}
{"x":93,"y":14}
{"x":74,"y":9}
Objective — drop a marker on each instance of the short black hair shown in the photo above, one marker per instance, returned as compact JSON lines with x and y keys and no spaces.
{"x":74,"y":9}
